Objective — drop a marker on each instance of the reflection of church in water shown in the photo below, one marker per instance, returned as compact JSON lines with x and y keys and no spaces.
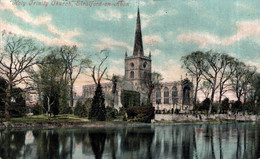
{"x":166,"y":96}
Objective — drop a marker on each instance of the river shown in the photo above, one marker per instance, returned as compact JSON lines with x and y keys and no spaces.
{"x":173,"y":141}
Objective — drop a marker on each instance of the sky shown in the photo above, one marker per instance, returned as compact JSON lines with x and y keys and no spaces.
{"x":170,"y":28}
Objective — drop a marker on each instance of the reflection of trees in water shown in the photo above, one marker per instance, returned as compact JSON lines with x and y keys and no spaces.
{"x":53,"y":143}
{"x":137,"y":142}
{"x":11,"y":143}
{"x":230,"y":140}
{"x":97,"y":141}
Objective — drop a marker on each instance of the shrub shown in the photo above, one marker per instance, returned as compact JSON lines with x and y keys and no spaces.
{"x":205,"y":105}
{"x":237,"y":107}
{"x":141,"y":113}
{"x":65,"y":110}
{"x":80,"y":109}
{"x":225,"y":105}
{"x":111,"y":113}
{"x":37,"y":110}
{"x":251,"y":108}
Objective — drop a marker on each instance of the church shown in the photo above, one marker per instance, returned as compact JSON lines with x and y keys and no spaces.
{"x":130,"y":91}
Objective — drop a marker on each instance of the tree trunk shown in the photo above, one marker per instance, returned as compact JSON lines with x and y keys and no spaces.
{"x":212,"y":97}
{"x":219,"y":100}
{"x":71,"y":96}
{"x":196,"y":91}
{"x":8,"y":101}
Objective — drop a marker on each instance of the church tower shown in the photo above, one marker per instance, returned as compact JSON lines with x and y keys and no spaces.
{"x":137,"y":65}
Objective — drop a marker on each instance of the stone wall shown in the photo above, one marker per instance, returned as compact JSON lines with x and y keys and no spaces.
{"x":189,"y":117}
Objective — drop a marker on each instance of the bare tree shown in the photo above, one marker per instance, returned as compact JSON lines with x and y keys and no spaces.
{"x":217,"y":69}
{"x":17,"y":55}
{"x":205,"y":88}
{"x":229,"y":65}
{"x":241,"y":80}
{"x":193,"y":64}
{"x":98,"y":74}
{"x":73,"y":66}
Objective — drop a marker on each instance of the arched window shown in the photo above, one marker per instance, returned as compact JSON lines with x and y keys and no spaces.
{"x":132,"y":74}
{"x":166,"y":95}
{"x":174,"y":95}
{"x":158,"y":96}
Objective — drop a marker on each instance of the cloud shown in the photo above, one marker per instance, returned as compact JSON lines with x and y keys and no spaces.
{"x":40,"y":37}
{"x":244,"y":29}
{"x":152,"y":40}
{"x":200,"y":38}
{"x":109,"y":43}
{"x":108,"y":15}
{"x":22,"y":14}
{"x":146,"y":18}
{"x":62,"y":38}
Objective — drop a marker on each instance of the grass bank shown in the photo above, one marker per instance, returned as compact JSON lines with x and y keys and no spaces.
{"x":65,"y":120}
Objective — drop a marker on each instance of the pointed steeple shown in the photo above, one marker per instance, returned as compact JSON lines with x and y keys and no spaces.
{"x":138,"y":46}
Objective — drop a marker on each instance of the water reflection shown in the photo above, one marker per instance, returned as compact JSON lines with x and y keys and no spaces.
{"x":187,"y":141}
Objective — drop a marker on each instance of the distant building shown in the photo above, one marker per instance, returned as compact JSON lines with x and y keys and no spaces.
{"x":31,"y":98}
{"x":166,"y":96}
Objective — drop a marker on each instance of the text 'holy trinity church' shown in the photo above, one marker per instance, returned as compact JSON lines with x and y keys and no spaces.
{"x":130,"y":91}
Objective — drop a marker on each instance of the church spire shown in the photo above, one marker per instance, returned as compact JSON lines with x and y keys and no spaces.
{"x":138,"y":46}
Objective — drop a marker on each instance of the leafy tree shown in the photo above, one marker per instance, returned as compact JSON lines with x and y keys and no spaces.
{"x":98,"y":111}
{"x":49,"y":83}
{"x":17,"y":55}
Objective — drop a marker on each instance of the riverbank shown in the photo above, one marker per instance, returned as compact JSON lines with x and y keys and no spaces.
{"x":42,"y":121}
{"x":65,"y":120}
{"x":202,"y":117}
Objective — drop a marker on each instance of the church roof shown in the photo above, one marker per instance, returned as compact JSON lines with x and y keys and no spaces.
{"x":138,"y":45}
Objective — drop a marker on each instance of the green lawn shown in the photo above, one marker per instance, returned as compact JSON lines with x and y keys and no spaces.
{"x":64,"y":118}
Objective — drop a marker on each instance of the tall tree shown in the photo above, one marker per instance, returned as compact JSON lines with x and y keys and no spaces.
{"x":98,"y":110}
{"x":193,"y":63}
{"x":241,"y":79}
{"x":229,"y":65}
{"x":217,"y":69}
{"x":74,"y":65}
{"x":48,"y":81}
{"x":51,"y":82}
{"x":17,"y":55}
